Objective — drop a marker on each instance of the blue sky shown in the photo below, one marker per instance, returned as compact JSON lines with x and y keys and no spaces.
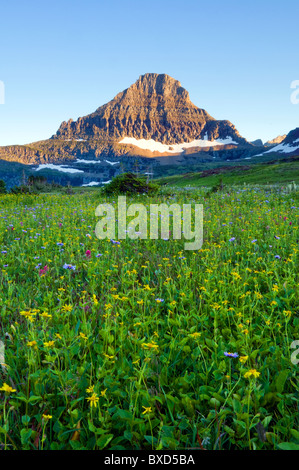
{"x":63,"y":59}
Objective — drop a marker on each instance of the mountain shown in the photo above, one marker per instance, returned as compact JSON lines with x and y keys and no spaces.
{"x":277,"y":140}
{"x":289,"y":145}
{"x":257,"y":143}
{"x":155,"y":109}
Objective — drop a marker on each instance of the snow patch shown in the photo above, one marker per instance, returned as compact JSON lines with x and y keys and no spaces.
{"x":62,"y":168}
{"x":112,"y":163}
{"x":92,"y":183}
{"x":88,"y":161}
{"x":284,"y":148}
{"x":154,"y":146}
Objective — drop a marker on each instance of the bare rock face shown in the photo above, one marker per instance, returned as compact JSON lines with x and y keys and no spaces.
{"x":292,"y":139}
{"x":155,"y":107}
{"x":289,"y":145}
{"x":276,"y":141}
{"x":257,"y":143}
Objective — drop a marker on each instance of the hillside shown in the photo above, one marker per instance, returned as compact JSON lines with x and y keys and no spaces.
{"x":268,"y":173}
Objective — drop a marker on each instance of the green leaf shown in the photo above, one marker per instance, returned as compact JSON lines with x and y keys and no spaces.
{"x":128,"y":435}
{"x":295,"y":434}
{"x":124,"y":414}
{"x":288,"y":446}
{"x":77,"y":327}
{"x":218,"y":397}
{"x":151,"y":440}
{"x":281,"y":380}
{"x":34,"y":398}
{"x":237,"y":406}
{"x":91,"y":426}
{"x":229,"y":431}
{"x":76,"y":445}
{"x":215,"y":402}
{"x":266,"y":421}
{"x":210,"y":343}
{"x":240,"y":423}
{"x":3,"y":429}
{"x":21,"y":399}
{"x":103,"y":441}
{"x":25,"y":435}
{"x":25,"y":420}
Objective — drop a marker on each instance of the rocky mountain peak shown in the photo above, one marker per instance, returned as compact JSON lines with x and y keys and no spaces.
{"x":153,"y":84}
{"x":277,"y":140}
{"x":155,"y":107}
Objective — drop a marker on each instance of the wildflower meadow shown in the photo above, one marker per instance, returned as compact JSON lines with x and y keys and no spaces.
{"x":140,"y":344}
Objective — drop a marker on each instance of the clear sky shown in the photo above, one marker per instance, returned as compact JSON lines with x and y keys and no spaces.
{"x":62,"y":59}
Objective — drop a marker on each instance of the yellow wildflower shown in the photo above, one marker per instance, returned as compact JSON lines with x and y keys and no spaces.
{"x":243,"y":359}
{"x":93,"y":400}
{"x":195,"y":335}
{"x":7,"y":388}
{"x":67,"y":308}
{"x":252,"y":373}
{"x":147,"y":409}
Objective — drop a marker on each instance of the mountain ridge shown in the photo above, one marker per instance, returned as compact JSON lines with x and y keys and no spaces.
{"x":289,"y":145}
{"x":155,"y":107}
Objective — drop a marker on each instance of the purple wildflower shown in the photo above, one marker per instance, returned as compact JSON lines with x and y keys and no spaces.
{"x":69,"y":266}
{"x":228,"y":354}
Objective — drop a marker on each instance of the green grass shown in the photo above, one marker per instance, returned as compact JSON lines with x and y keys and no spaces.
{"x":155,"y":369}
{"x":278,"y":173}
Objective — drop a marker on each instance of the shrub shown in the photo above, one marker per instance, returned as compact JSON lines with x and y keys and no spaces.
{"x":23,"y":189}
{"x":128,"y":183}
{"x":2,"y":187}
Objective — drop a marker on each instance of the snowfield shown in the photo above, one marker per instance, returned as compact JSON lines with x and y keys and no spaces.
{"x":284,"y":148}
{"x":62,"y":168}
{"x":154,"y":146}
{"x":111,"y":163}
{"x":92,"y":183}
{"x":93,"y":162}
